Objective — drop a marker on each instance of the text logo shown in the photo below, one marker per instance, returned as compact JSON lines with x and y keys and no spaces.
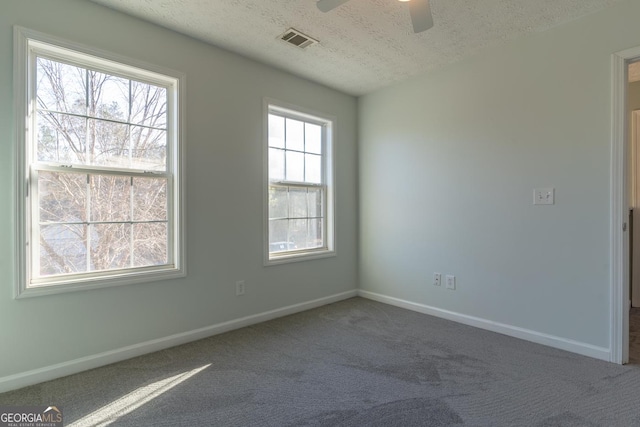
{"x":31,"y":416}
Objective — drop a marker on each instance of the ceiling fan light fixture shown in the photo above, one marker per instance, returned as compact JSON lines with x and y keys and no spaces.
{"x":419,"y":10}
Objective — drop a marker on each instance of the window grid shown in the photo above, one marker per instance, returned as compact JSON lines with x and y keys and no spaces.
{"x":287,"y":187}
{"x":90,"y":117}
{"x":91,"y":224}
{"x":87,"y":118}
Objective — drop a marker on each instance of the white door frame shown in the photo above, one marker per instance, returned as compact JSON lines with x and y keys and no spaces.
{"x":619,"y":255}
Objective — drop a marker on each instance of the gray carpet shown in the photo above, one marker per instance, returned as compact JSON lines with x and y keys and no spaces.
{"x":353,"y":363}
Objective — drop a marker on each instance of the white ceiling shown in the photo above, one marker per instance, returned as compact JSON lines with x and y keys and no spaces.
{"x":364,"y":44}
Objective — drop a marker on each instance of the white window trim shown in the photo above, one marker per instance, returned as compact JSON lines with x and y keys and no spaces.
{"x":330,"y":122}
{"x":26,"y":40}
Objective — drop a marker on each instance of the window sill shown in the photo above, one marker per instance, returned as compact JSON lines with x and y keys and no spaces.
{"x":79,"y":284}
{"x":298,"y":257}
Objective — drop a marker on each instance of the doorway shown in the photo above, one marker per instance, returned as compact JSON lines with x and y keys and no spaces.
{"x":633,"y":114}
{"x":633,"y":102}
{"x":621,"y":198}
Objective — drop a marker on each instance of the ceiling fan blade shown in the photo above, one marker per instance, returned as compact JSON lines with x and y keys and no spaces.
{"x":421,"y":17}
{"x":327,"y":5}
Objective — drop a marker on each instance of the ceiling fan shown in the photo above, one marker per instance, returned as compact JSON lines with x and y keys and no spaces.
{"x":419,"y":10}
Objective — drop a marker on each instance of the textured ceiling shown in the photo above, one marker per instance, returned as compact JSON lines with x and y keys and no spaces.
{"x":364,"y":44}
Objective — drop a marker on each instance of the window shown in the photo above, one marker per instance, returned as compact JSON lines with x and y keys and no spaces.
{"x":101,"y":161}
{"x":299,"y":205}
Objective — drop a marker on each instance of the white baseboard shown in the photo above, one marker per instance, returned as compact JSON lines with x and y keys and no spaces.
{"x":47,"y":373}
{"x":501,"y":328}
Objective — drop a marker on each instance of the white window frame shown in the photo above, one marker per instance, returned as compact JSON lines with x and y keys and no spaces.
{"x":329,"y":124}
{"x":28,"y":44}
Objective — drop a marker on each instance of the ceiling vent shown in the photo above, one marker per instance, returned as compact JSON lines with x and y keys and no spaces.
{"x":297,"y":39}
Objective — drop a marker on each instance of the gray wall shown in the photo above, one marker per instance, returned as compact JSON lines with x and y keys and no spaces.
{"x":448,"y":164}
{"x":224,"y":198}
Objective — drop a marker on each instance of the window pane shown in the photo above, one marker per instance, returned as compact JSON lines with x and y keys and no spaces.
{"x":315,"y":234}
{"x":110,"y":246}
{"x":315,"y":203}
{"x":276,"y":164}
{"x":108,"y":143}
{"x":61,"y":138}
{"x":109,"y":97}
{"x":276,"y":131}
{"x":149,"y":149}
{"x":149,"y":199}
{"x":62,"y":197}
{"x":298,"y":203}
{"x":60,"y":87}
{"x":313,"y":138}
{"x":295,"y":135}
{"x":298,"y":232}
{"x":63,"y":249}
{"x":148,"y":105}
{"x":150,"y":244}
{"x":278,"y":202}
{"x":110,"y":198}
{"x":295,"y":166}
{"x":278,"y":236}
{"x":313,"y":168}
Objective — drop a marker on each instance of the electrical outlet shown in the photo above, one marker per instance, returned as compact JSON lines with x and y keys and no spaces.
{"x":451,"y":282}
{"x":240,"y":287}
{"x":544,"y":196}
{"x":437,"y":279}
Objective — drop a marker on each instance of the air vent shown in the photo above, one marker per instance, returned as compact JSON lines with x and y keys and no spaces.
{"x":297,"y":39}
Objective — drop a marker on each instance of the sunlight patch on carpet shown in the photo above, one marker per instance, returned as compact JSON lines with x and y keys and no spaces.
{"x":132,"y":401}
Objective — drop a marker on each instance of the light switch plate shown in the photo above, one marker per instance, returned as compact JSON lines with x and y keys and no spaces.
{"x":544,"y":196}
{"x":240,"y":287}
{"x":451,"y":282}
